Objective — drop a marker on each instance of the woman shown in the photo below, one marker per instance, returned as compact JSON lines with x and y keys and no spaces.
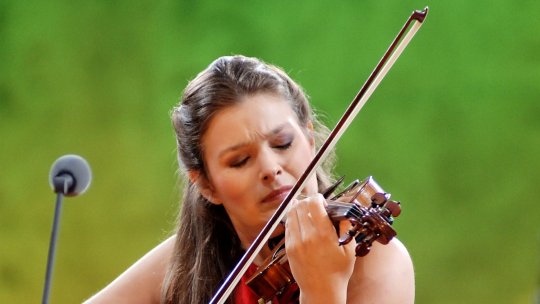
{"x":245,"y":133}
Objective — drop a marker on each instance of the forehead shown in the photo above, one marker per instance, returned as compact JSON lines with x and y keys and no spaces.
{"x":254,"y":117}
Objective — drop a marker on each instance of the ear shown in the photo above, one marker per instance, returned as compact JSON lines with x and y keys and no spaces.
{"x":204,"y":186}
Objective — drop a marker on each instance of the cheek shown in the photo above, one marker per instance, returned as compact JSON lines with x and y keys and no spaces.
{"x":304,"y":157}
{"x":230,"y":188}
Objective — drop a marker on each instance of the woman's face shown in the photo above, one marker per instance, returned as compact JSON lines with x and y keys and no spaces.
{"x":254,"y":152}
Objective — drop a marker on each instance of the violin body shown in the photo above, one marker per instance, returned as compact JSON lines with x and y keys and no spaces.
{"x":369,"y":210}
{"x":274,"y":277}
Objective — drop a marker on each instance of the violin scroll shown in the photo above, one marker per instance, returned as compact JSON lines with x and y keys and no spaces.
{"x":372,"y":214}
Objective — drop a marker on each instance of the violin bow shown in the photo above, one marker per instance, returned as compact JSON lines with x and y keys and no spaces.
{"x":412,"y":25}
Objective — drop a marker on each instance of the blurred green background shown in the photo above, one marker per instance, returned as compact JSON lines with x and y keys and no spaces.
{"x":453,"y":131}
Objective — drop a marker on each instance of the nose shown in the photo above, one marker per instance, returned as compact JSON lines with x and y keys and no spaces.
{"x":270,"y":175}
{"x":270,"y":166}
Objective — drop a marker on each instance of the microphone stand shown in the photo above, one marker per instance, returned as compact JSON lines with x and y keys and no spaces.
{"x":70,"y":175}
{"x":61,"y":185}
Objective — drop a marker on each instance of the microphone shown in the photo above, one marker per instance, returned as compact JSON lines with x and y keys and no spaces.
{"x":70,"y":175}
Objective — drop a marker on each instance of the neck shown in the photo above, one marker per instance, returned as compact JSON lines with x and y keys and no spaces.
{"x":268,"y":248}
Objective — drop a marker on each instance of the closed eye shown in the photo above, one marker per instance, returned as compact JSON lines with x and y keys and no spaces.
{"x":284,"y":146}
{"x":240,"y":163}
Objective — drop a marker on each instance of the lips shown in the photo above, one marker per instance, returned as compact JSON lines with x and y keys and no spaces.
{"x":277,"y":195}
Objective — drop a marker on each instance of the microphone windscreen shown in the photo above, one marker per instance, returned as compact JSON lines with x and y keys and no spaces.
{"x":75,"y":166}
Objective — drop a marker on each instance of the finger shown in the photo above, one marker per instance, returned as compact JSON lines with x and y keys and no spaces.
{"x":316,"y":207}
{"x":292,"y":226}
{"x":322,"y":221}
{"x":303,"y":223}
{"x":303,"y":211}
{"x":313,"y":218}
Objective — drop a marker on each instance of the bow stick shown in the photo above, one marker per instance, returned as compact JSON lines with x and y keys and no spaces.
{"x":384,"y":65}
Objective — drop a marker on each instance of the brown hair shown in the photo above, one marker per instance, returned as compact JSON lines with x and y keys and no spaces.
{"x":207,"y":246}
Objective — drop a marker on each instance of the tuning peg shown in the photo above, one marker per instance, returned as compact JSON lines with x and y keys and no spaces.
{"x":362,"y":249}
{"x":379,"y":198}
{"x":345,"y":239}
{"x":394,"y":208}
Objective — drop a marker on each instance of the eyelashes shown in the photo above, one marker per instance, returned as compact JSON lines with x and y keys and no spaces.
{"x":239,"y":164}
{"x":285,"y":146}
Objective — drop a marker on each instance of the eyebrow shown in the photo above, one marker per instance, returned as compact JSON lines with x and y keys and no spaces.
{"x":238,"y":146}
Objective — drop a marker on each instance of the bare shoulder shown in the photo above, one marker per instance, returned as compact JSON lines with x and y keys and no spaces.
{"x":140,"y":283}
{"x":385,"y":275}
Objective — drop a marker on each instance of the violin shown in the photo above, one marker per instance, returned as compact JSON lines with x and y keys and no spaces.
{"x":364,"y":204}
{"x":376,"y":218}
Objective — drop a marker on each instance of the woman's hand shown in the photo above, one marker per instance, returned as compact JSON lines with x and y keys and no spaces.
{"x":319,"y":265}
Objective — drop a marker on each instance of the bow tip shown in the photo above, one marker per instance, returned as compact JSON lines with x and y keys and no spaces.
{"x":420,"y":15}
